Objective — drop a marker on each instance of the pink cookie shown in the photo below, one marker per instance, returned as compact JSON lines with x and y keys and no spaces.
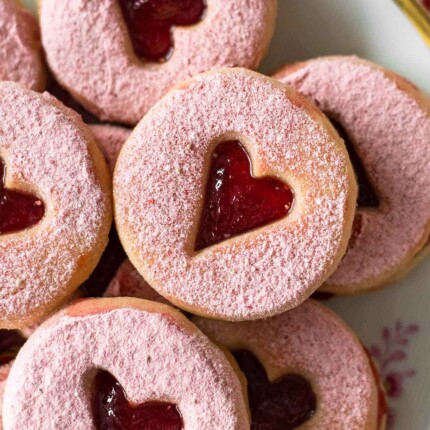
{"x":21,"y":57}
{"x":387,"y":121}
{"x":57,"y":186}
{"x":110,"y":139}
{"x":159,"y":192}
{"x":151,"y":351}
{"x":127,"y":282}
{"x":307,"y":364}
{"x":113,"y":82}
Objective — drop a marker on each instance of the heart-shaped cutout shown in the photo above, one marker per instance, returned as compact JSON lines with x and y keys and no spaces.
{"x":18,"y":211}
{"x":283,"y":404}
{"x":112,"y":411}
{"x":150,"y":24}
{"x":236,"y":202}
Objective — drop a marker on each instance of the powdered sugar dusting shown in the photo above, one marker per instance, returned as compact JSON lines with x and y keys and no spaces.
{"x":110,"y":139}
{"x":391,"y":132}
{"x":20,"y":49}
{"x":310,"y":340}
{"x":159,"y":187}
{"x":127,"y":282}
{"x":152,"y":355}
{"x":46,"y":152}
{"x":113,"y":84}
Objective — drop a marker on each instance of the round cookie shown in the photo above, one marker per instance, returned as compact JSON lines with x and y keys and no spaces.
{"x":386,"y":120}
{"x":160,"y":204}
{"x":21,"y":57}
{"x":146,"y":350}
{"x":305,"y":368}
{"x":113,"y":82}
{"x":56,"y":205}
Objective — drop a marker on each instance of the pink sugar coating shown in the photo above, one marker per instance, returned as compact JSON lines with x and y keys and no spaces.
{"x":4,"y":374}
{"x":159,"y":187}
{"x":312,"y":341}
{"x":46,"y":152}
{"x":153,"y":356}
{"x":110,"y":139}
{"x":127,"y":282}
{"x":113,"y":84}
{"x":391,"y":132}
{"x":21,"y":58}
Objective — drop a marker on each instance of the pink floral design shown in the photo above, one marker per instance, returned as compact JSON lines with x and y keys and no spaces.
{"x":389,"y":354}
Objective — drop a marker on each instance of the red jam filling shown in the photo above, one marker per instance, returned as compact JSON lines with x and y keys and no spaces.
{"x":236,"y":202}
{"x":11,"y":342}
{"x":112,"y":411}
{"x":283,"y":404}
{"x":367,"y":197}
{"x":150,"y":24}
{"x":18,"y":211}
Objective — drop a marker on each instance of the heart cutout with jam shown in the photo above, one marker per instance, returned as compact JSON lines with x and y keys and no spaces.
{"x":150,"y":24}
{"x":283,"y":404}
{"x":236,"y":202}
{"x":112,"y":411}
{"x":18,"y":211}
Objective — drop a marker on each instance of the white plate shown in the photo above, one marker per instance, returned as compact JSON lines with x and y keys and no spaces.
{"x":396,"y":320}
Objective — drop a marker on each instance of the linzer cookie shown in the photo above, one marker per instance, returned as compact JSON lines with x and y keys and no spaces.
{"x":122,"y":363}
{"x":127,"y":54}
{"x":55,"y":211}
{"x":304,"y":369}
{"x":385,"y":122}
{"x":234,"y":196}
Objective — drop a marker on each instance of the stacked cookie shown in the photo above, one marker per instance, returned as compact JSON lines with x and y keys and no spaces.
{"x":235,"y":199}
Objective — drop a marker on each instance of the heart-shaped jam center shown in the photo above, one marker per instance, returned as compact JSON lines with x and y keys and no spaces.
{"x":283,"y":404}
{"x":236,"y":202}
{"x":112,"y":411}
{"x":11,"y":342}
{"x":18,"y":211}
{"x":150,"y":24}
